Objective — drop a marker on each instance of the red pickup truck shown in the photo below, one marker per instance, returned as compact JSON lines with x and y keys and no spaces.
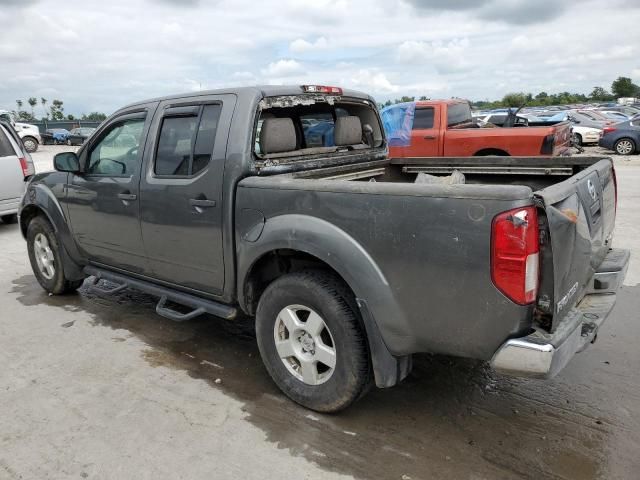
{"x":445,"y":128}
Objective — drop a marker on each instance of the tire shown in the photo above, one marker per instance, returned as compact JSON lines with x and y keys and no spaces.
{"x":42,"y":241}
{"x":30,"y":144}
{"x":625,"y":146}
{"x":577,"y":139}
{"x":298,"y":300}
{"x":11,"y":218}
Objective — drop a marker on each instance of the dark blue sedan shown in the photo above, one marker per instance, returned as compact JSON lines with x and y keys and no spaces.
{"x":623,"y":138}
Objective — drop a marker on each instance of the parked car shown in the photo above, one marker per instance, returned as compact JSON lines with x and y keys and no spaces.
{"x":615,"y":116}
{"x":623,"y":138}
{"x":55,"y":136}
{"x":626,"y":109}
{"x":498,"y":120}
{"x":445,"y":128}
{"x":585,"y":135}
{"x":346,"y":277}
{"x":29,"y":134}
{"x":77,"y":136}
{"x":15,"y":168}
{"x":590,"y":118}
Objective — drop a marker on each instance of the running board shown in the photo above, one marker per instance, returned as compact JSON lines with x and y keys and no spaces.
{"x":199,"y":305}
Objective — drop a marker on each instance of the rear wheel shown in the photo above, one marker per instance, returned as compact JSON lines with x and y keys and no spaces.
{"x":45,"y":258}
{"x":312,"y":341}
{"x":12,"y":218}
{"x":30,"y":144}
{"x":577,"y":139}
{"x":625,"y":146}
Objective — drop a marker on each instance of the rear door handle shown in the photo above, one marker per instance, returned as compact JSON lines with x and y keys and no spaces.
{"x":429,"y":137}
{"x":127,"y":196}
{"x":202,"y":203}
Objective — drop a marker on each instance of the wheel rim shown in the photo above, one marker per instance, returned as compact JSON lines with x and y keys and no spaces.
{"x":305,"y":344}
{"x":29,"y":145}
{"x":624,"y":147}
{"x":69,"y":142}
{"x":44,"y":256}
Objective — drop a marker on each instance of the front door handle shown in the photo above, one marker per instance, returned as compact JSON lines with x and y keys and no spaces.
{"x":202,"y":203}
{"x":127,"y":196}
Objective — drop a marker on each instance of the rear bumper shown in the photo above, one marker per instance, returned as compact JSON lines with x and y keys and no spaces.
{"x":543,"y":355}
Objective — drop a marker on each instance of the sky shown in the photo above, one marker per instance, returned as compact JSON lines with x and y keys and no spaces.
{"x":100,"y":55}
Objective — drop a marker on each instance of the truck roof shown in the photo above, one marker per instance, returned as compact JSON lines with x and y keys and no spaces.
{"x":261,"y":90}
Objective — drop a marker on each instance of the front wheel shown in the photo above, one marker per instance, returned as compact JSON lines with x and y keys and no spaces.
{"x":312,"y":341}
{"x":69,"y":142}
{"x":625,"y":146}
{"x":46,"y":259}
{"x":577,"y":139}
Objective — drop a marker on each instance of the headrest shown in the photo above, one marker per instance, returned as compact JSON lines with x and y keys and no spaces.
{"x":277,"y":135}
{"x":348,"y":131}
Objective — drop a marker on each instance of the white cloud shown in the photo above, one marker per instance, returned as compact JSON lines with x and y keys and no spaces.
{"x":283,"y":68}
{"x":376,"y":82}
{"x":301,"y":46}
{"x":445,"y":57}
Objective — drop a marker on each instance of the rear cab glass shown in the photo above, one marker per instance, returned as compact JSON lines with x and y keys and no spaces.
{"x":294,"y":127}
{"x":459,"y":115}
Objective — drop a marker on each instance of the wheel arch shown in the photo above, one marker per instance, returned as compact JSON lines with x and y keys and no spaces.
{"x":491,"y":151}
{"x":292,"y":242}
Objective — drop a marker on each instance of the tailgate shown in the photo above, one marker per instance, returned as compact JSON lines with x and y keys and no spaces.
{"x":562,"y":138}
{"x":581,"y":216}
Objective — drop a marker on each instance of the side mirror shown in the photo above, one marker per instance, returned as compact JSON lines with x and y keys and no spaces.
{"x":66,"y":162}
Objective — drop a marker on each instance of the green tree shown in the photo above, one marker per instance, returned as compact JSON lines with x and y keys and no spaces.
{"x":600,"y":94}
{"x":98,"y":116}
{"x":57,"y":110}
{"x":33,"y":101}
{"x":43,"y":101}
{"x":516,"y":99}
{"x":624,"y":87}
{"x":70,"y":117}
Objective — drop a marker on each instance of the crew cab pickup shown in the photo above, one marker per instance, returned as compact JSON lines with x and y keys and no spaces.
{"x":445,"y":128}
{"x":231,"y":202}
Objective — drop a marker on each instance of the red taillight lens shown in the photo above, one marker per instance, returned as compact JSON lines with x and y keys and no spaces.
{"x":27,"y":167}
{"x":608,"y":130}
{"x":514,"y":254}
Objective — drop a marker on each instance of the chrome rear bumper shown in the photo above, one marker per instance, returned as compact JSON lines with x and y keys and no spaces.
{"x":543,"y":355}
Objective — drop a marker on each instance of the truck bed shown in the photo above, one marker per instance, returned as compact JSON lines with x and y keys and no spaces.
{"x":434,"y":240}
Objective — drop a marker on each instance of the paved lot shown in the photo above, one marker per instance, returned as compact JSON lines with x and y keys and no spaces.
{"x":101,"y":387}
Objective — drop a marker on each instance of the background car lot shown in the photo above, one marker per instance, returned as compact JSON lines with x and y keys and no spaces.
{"x":97,"y":386}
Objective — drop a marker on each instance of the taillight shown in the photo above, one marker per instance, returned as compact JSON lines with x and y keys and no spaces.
{"x":608,"y":130}
{"x":514,"y":254}
{"x":547,"y":145}
{"x":27,"y":167}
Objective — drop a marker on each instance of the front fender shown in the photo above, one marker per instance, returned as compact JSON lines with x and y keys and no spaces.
{"x":42,"y":199}
{"x":352,"y":262}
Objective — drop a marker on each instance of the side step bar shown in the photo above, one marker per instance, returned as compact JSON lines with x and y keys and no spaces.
{"x":199,"y":305}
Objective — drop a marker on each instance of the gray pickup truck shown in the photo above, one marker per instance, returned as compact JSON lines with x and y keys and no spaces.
{"x":281,"y":203}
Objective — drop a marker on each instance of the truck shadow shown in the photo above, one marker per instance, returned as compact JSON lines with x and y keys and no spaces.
{"x":452,"y":418}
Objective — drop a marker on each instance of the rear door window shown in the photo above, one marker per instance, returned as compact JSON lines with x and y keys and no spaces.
{"x":6,"y":149}
{"x":185,"y":143}
{"x":423,"y":118}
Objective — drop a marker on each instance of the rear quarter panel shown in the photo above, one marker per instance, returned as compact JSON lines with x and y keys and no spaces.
{"x":517,"y":141}
{"x":430,"y":244}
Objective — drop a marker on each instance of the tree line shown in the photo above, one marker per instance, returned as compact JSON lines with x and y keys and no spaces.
{"x":55,"y":111}
{"x":620,"y":87}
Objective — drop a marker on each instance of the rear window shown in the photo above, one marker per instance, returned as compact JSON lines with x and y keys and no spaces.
{"x":319,"y":128}
{"x":458,"y":114}
{"x":6,"y":149}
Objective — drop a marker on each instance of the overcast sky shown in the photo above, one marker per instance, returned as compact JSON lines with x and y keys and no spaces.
{"x":101,"y":55}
